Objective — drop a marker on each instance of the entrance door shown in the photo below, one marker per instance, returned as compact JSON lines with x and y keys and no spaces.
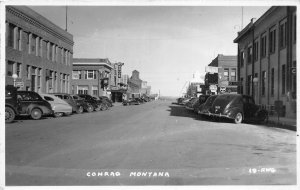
{"x":33,"y":78}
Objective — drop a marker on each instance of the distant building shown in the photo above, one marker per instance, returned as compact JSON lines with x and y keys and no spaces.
{"x":267,"y":59}
{"x":91,"y":76}
{"x":224,"y":77}
{"x":194,"y":87}
{"x":118,"y":88}
{"x":37,"y":51}
{"x":134,"y":84}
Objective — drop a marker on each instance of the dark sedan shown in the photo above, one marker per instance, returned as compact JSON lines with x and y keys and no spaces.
{"x":89,"y":99}
{"x":132,"y":101}
{"x":204,"y":108}
{"x":237,"y":107}
{"x":76,"y":107}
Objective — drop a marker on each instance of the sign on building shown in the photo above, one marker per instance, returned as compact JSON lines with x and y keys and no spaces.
{"x":213,"y":88}
{"x":211,"y":70}
{"x":119,"y":71}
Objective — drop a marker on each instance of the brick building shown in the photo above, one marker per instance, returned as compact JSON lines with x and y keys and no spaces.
{"x":225,"y":79}
{"x":37,"y":51}
{"x":91,"y":76}
{"x":267,"y":59}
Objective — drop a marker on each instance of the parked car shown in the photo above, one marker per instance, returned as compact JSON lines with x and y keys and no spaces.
{"x":59,"y":106}
{"x":202,"y":100}
{"x":76,"y":107}
{"x":204,"y":108}
{"x":238,"y":108}
{"x":102,"y":104}
{"x":32,"y":104}
{"x":179,"y":100}
{"x":189,"y":104}
{"x":89,"y":99}
{"x":11,"y":103}
{"x":80,"y":101}
{"x":185,"y":100}
{"x":131,"y":101}
{"x":106,"y":100}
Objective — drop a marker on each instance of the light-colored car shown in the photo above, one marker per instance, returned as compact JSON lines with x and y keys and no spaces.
{"x":59,"y":106}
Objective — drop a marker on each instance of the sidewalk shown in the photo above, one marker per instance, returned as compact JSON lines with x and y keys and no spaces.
{"x":285,"y":123}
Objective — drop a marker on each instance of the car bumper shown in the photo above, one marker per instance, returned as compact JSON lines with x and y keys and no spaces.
{"x":217,"y":115}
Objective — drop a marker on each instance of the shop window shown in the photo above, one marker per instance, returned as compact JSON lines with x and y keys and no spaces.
{"x":10,"y":68}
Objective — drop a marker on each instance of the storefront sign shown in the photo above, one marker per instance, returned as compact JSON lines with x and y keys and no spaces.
{"x":213,"y":88}
{"x":211,"y":70}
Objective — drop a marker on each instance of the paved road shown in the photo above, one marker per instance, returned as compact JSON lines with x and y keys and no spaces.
{"x":157,"y":143}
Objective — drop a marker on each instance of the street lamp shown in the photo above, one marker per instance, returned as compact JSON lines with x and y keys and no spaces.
{"x":14,"y":76}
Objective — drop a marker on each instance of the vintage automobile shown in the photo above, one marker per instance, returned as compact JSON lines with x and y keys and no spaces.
{"x":202,"y":100}
{"x":80,"y":101}
{"x":76,"y":106}
{"x":189,"y":104}
{"x":32,"y":104}
{"x":106,"y":100}
{"x":11,"y":103}
{"x":131,"y":101}
{"x":204,"y":108}
{"x":237,"y":107}
{"x":89,"y":99}
{"x":102,"y":104}
{"x":59,"y":106}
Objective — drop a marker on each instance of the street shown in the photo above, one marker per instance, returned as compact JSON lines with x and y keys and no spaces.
{"x":156,"y":143}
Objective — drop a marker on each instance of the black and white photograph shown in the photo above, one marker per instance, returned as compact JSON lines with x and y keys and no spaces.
{"x":151,"y":93}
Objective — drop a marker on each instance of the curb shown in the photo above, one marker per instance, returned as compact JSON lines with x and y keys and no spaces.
{"x":281,"y":125}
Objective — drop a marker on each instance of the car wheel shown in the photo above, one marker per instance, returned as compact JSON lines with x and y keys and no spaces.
{"x":58,"y":114}
{"x":97,"y":108}
{"x":90,"y":109}
{"x":36,"y":114}
{"x":79,"y":110}
{"x":9,"y":115}
{"x":238,"y":118}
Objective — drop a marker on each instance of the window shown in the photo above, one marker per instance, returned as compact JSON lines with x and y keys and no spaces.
{"x":76,"y":74}
{"x":41,"y":48}
{"x":255,"y":51}
{"x":28,"y":71}
{"x":242,"y":58}
{"x":242,"y":86}
{"x":263,"y":45}
{"x":295,"y":28}
{"x":226,"y":74}
{"x":53,"y":52}
{"x":282,"y":35}
{"x":10,"y":35}
{"x":249,"y":55}
{"x":10,"y":68}
{"x":19,"y":69}
{"x":82,"y":89}
{"x":272,"y":81}
{"x":263,"y":82}
{"x":50,"y":51}
{"x":283,"y":79}
{"x":32,"y":44}
{"x":233,"y":74}
{"x":294,"y":79}
{"x":272,"y":40}
{"x":19,"y":39}
{"x":90,"y":74}
{"x":249,"y":84}
{"x":48,"y":98}
{"x":95,"y":90}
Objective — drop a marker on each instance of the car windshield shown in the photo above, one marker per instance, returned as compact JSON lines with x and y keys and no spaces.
{"x":29,"y":96}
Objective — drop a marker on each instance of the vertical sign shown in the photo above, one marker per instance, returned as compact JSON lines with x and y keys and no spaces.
{"x":119,"y":71}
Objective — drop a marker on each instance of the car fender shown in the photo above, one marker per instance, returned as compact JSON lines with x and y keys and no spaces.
{"x":33,"y":106}
{"x":233,"y":111}
{"x":13,"y":108}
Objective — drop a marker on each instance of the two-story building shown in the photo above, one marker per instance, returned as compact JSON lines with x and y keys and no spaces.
{"x":38,"y":53}
{"x":221,"y":76}
{"x":91,"y":76}
{"x":267,"y":59}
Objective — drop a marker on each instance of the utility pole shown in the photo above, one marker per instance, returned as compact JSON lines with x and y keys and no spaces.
{"x":242,"y":18}
{"x":66,"y":18}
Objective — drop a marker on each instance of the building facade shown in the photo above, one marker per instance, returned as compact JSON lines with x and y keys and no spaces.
{"x":223,"y":78}
{"x":91,"y":76}
{"x":134,"y":85}
{"x":38,"y":52}
{"x":117,"y":87}
{"x":267,"y":60}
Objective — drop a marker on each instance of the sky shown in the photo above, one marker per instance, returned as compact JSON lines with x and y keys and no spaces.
{"x":166,"y":44}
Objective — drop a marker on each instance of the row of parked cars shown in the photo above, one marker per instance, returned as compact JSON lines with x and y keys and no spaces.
{"x":27,"y":103}
{"x":136,"y":101}
{"x":236,"y":107}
